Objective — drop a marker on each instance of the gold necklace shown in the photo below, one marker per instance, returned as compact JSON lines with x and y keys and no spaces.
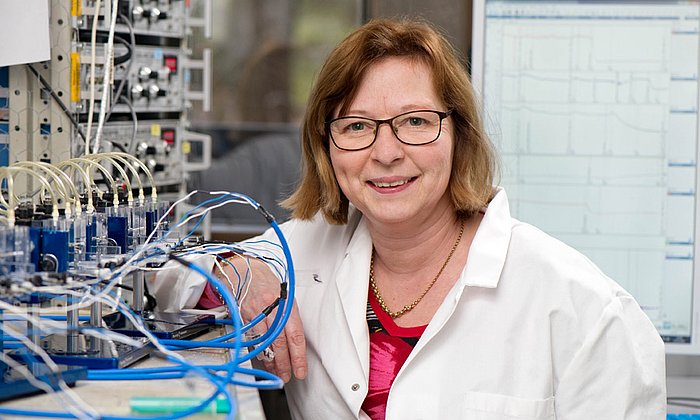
{"x":407,"y":308}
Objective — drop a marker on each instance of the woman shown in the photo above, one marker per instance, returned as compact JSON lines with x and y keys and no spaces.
{"x":420,"y":297}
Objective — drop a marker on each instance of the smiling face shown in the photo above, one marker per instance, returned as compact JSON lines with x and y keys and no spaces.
{"x":391,"y":182}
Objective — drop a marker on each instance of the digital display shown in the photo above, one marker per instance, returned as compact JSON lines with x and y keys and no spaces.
{"x":593,"y":107}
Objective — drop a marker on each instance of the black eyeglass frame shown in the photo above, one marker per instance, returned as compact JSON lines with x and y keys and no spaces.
{"x":387,"y":121}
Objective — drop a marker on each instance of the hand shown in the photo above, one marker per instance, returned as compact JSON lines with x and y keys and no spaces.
{"x":289,"y":348}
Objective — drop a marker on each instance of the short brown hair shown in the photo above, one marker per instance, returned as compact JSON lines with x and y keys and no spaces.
{"x":473,"y":162}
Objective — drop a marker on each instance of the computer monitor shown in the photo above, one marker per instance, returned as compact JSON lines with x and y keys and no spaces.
{"x":593,"y":107}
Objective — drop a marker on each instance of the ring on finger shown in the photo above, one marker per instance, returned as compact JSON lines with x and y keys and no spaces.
{"x":267,"y":355}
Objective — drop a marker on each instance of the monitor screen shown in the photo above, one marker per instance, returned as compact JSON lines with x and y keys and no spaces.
{"x":593,"y":107}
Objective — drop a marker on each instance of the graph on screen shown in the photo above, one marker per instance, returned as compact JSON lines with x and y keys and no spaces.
{"x":594,"y":110}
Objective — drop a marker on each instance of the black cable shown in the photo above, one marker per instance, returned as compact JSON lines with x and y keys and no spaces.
{"x":151,"y":302}
{"x":118,"y":95}
{"x":150,"y":299}
{"x":118,"y":92}
{"x":58,"y":100}
{"x":117,"y":285}
{"x":130,"y":51}
{"x":135,"y":121}
{"x":118,"y":146}
{"x":103,"y":38}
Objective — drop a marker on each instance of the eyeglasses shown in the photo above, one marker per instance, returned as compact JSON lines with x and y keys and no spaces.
{"x":413,"y":127}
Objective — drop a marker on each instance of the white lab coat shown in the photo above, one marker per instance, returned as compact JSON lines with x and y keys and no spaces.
{"x":531,"y":330}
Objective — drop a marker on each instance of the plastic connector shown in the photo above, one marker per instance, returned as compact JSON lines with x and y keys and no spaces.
{"x":268,"y":216}
{"x":283,"y":290}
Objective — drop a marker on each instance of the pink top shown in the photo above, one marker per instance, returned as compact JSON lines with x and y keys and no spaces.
{"x":389,"y":347}
{"x":210,"y":298}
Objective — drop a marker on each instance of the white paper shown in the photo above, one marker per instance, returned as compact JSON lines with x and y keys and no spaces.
{"x":24,"y":31}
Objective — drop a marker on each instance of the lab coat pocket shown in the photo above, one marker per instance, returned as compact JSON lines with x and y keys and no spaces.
{"x":483,"y":406}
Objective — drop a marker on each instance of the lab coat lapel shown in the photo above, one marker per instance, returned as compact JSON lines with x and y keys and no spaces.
{"x":344,"y":325}
{"x":485,"y":263}
{"x":352,"y":280}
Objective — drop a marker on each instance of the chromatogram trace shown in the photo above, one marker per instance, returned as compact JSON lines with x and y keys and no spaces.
{"x":597,"y":116}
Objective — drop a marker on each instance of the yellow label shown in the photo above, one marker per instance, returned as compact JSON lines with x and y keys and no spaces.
{"x":186,"y":148}
{"x":75,"y":77}
{"x":76,"y":7}
{"x":155,"y":130}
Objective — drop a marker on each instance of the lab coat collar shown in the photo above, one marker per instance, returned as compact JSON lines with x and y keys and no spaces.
{"x":487,"y":254}
{"x":486,"y":260}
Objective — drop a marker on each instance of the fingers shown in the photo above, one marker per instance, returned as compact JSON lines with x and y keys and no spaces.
{"x":282,"y":362}
{"x":286,"y":357}
{"x":294,"y":332}
{"x":288,"y":351}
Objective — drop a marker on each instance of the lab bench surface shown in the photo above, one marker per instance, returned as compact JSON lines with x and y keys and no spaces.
{"x":112,"y":397}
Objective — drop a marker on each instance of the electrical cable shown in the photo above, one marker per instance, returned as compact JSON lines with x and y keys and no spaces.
{"x":127,"y":71}
{"x":129,"y":54}
{"x":90,"y":290}
{"x":93,"y":59}
{"x":286,"y":297}
{"x":75,"y":404}
{"x":58,"y":100}
{"x":135,"y":126}
{"x":106,"y":77}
